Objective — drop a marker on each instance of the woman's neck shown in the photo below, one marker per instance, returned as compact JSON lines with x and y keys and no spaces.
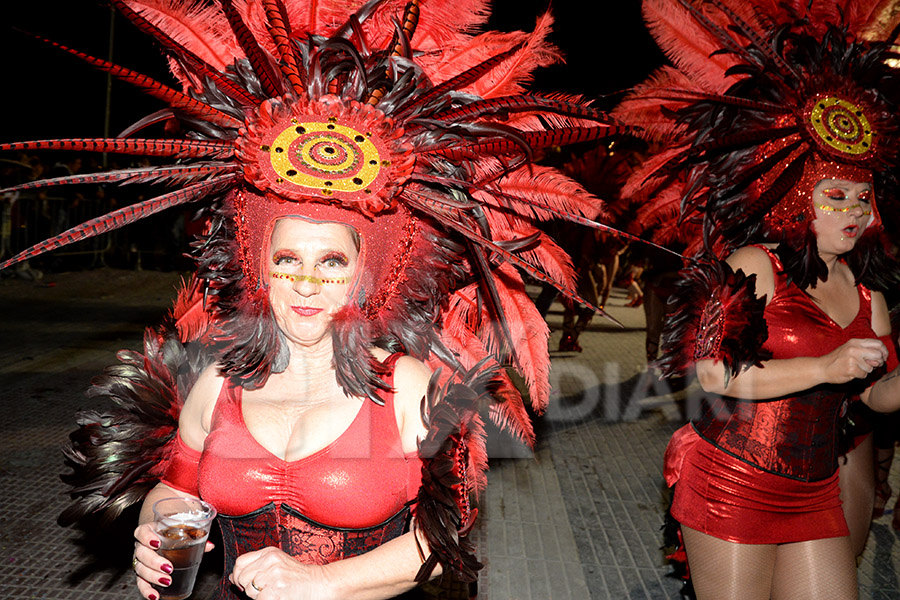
{"x":311,"y":361}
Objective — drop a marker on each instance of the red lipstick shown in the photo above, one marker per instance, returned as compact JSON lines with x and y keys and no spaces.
{"x":306,"y":311}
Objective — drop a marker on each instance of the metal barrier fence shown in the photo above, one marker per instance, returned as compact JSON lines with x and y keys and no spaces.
{"x":28,"y":218}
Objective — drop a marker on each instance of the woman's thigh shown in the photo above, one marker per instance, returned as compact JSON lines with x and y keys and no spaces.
{"x":723,"y":570}
{"x":815,"y":570}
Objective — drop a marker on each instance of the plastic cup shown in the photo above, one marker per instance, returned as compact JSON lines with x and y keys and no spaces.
{"x":183,"y":526}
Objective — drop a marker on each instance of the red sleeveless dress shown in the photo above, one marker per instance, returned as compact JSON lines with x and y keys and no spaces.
{"x":765,"y":472}
{"x":341,"y":501}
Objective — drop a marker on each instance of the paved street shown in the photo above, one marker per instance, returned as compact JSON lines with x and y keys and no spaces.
{"x":577,"y":519}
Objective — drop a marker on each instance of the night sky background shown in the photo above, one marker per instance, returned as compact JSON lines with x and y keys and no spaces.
{"x":47,"y":93}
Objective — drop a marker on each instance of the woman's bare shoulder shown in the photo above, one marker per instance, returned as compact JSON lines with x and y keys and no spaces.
{"x":196,"y":414}
{"x":754,"y":260}
{"x":750,"y":259}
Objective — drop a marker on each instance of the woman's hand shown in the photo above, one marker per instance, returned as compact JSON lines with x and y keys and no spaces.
{"x":854,"y":359}
{"x":150,"y":567}
{"x":271,"y":574}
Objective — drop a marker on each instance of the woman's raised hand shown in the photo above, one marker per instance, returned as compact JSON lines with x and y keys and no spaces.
{"x":854,"y":359}
{"x":271,"y":574}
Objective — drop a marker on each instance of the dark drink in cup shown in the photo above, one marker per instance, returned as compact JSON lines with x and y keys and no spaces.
{"x":182,"y":545}
{"x":182,"y":525}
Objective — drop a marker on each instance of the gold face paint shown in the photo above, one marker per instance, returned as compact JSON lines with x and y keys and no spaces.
{"x":828,"y":208}
{"x":314,"y":280}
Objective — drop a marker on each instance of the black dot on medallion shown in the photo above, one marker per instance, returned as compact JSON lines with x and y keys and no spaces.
{"x":859,"y":113}
{"x":290,"y":172}
{"x":821,"y":105}
{"x":829,"y":138}
{"x":865,"y":144}
{"x":373,"y":162}
{"x":357,"y":181}
{"x":368,"y":191}
{"x":279,"y":149}
{"x":329,"y":183}
{"x":264,"y":148}
{"x":301,"y":130}
{"x":359,"y":138}
{"x":330,"y":126}
{"x":329,"y":150}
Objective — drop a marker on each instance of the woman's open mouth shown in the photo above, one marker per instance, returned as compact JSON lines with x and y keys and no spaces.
{"x":851,"y":230}
{"x":306,"y":311}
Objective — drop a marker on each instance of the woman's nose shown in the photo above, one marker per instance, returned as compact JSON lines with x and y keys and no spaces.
{"x":306,"y":284}
{"x":857,"y":210}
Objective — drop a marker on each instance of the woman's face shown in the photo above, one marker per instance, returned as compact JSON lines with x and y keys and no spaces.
{"x":310,"y":270}
{"x":843,"y":210}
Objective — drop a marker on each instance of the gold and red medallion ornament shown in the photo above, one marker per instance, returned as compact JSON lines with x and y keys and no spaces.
{"x":840,"y":127}
{"x":326,"y":151}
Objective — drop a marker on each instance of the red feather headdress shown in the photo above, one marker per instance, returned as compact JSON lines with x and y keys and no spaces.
{"x":764,"y":99}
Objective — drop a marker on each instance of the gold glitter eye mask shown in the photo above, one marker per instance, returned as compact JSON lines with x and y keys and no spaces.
{"x":829,"y":208}
{"x":309,"y":278}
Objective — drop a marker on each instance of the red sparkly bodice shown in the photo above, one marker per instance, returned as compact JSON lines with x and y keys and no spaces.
{"x":794,"y":436}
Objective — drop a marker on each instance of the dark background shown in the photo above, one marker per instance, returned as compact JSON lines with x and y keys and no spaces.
{"x":49,"y":94}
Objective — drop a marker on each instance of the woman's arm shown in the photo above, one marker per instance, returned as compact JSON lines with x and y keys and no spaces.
{"x":853,"y":360}
{"x":778,"y":377}
{"x":379,"y":574}
{"x":884,"y":396}
{"x":193,"y":424}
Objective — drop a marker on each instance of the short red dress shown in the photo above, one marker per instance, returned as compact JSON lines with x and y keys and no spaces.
{"x":765,"y":472}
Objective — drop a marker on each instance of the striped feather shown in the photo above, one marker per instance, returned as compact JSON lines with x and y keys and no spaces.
{"x":122,"y":217}
{"x":536,"y":140}
{"x":455,"y":83}
{"x":179,"y":174}
{"x":756,"y":38}
{"x":143,"y":147}
{"x":280,"y":32}
{"x":151,"y":87}
{"x":512,"y":104}
{"x":193,"y":22}
{"x":269,"y":79}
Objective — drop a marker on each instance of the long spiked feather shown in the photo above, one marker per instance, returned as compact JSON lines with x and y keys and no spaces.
{"x":143,"y":147}
{"x":455,"y":83}
{"x":536,"y":140}
{"x":151,"y":87}
{"x":269,"y":79}
{"x":178,"y":174}
{"x":198,"y":65}
{"x":122,"y":217}
{"x":280,"y":32}
{"x":513,"y":104}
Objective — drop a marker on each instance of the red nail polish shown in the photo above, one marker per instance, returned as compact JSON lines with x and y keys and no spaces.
{"x":166,"y":569}
{"x":154,"y":543}
{"x":165,"y":581}
{"x":151,"y":596}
